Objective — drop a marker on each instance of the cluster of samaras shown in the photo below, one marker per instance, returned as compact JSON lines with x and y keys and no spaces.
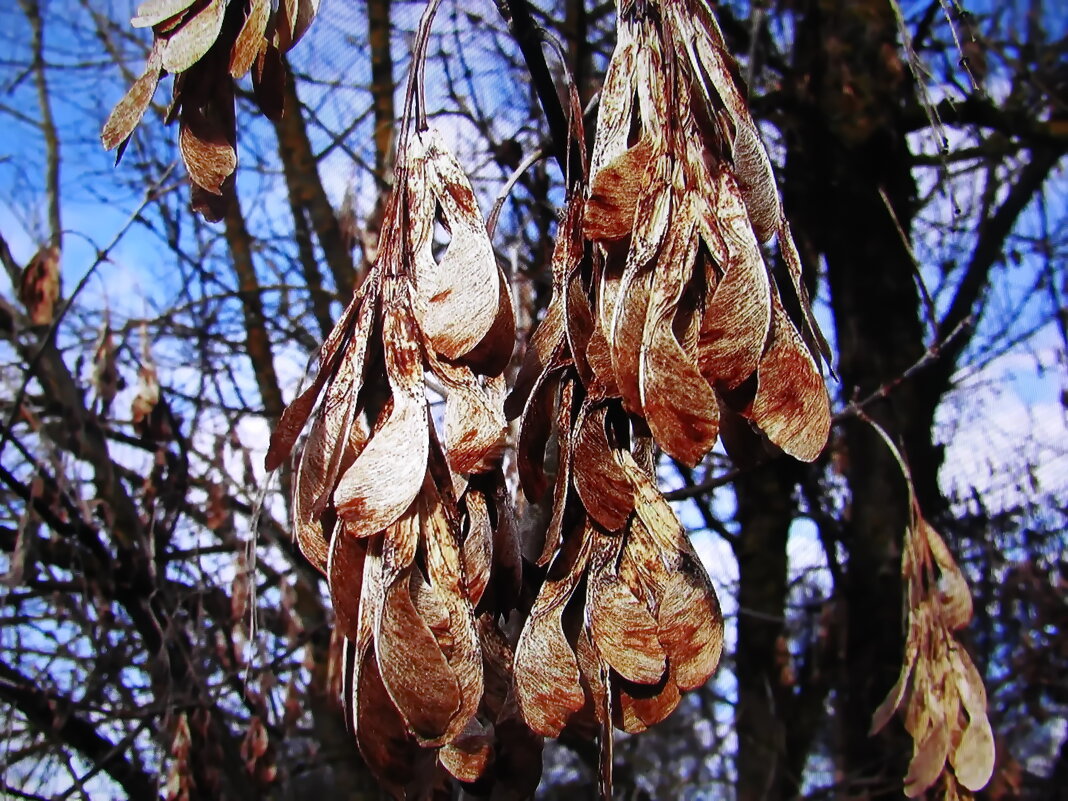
{"x":663,"y":320}
{"x":207,"y":45}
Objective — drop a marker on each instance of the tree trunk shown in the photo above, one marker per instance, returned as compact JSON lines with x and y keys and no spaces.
{"x":851,"y":194}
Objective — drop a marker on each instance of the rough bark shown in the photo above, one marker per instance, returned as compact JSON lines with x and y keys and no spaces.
{"x":765,"y":512}
{"x":379,"y":31}
{"x":846,"y":154}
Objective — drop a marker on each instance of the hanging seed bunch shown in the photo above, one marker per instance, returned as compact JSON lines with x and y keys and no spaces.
{"x":626,"y":618}
{"x":689,"y":324}
{"x":207,"y":45}
{"x":412,"y":529}
{"x":939,"y":689}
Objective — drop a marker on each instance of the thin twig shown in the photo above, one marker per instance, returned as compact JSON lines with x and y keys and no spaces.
{"x":102,"y":255}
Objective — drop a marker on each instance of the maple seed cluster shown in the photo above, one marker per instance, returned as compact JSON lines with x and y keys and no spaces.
{"x":663,"y":318}
{"x":207,"y":45}
{"x":939,"y":688}
{"x":412,"y":539}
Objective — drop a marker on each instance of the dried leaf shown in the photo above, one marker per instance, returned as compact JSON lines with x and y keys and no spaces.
{"x":39,"y":287}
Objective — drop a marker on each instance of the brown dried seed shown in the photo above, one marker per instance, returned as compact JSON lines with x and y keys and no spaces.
{"x":39,"y":286}
{"x":196,"y":36}
{"x":153,"y":12}
{"x":791,"y":404}
{"x":127,"y":114}
{"x":250,"y":41}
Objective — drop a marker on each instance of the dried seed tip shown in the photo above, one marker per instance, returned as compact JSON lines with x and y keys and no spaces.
{"x":129,"y":111}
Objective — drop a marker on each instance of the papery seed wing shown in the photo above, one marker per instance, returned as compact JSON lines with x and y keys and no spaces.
{"x":296,"y":414}
{"x":250,"y":40}
{"x":196,"y":36}
{"x":639,"y":706}
{"x":332,"y":440}
{"x":617,"y":103}
{"x":475,"y":427}
{"x":680,"y":407}
{"x":579,"y":326}
{"x":612,"y":205}
{"x":562,"y":486}
{"x":792,"y":259}
{"x":955,"y":600}
{"x":344,"y":570}
{"x":268,"y":82}
{"x":386,"y":746}
{"x":894,"y":698}
{"x":153,"y":12}
{"x":294,"y":17}
{"x":689,"y":616}
{"x":544,"y":348}
{"x":517,"y":761}
{"x":534,"y":432}
{"x":465,"y":299}
{"x":738,"y":315}
{"x":478,"y":545}
{"x":414,"y":670}
{"x":928,"y":759}
{"x":974,"y":756}
{"x":207,"y":146}
{"x":601,"y":483}
{"x":621,"y":625}
{"x":127,"y":114}
{"x":467,"y":757}
{"x":547,"y":681}
{"x":387,"y":475}
{"x":755,"y":176}
{"x":625,"y":341}
{"x":445,"y":571}
{"x":492,"y":355}
{"x":791,"y":405}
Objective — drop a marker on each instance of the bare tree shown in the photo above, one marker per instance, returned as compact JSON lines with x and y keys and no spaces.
{"x":163,"y":635}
